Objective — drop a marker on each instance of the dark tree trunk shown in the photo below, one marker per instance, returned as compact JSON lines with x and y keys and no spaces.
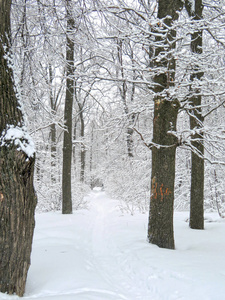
{"x":74,"y":144}
{"x":67,"y":142}
{"x":160,"y":228}
{"x":53,"y":153}
{"x":52,"y":130}
{"x":17,"y":195}
{"x":83,"y":150}
{"x":196,"y":122}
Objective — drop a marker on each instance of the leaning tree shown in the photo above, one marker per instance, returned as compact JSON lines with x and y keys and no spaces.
{"x":17,"y":195}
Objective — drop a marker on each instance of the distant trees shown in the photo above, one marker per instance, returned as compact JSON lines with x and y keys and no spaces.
{"x":137,"y":80}
{"x":17,"y":157}
{"x":183,"y":82}
{"x":40,"y":68}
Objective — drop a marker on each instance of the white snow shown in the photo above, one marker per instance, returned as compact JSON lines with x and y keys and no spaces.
{"x":192,"y":2}
{"x":100,"y":254}
{"x":20,"y":137}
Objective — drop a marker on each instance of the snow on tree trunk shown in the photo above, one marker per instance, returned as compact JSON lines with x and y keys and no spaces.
{"x":17,"y":195}
{"x":160,"y":227}
{"x":196,"y":123}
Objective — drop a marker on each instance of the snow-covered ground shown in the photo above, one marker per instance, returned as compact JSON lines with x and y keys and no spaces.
{"x":100,"y":254}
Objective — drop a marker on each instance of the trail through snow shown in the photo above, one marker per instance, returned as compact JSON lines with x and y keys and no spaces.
{"x":100,"y":254}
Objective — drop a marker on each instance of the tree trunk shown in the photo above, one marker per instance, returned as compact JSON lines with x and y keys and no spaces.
{"x":83,"y":150}
{"x":160,"y":227}
{"x":196,"y":122}
{"x":17,"y":195}
{"x":53,"y":153}
{"x":52,"y":129}
{"x":123,"y":93}
{"x":74,"y":144}
{"x":67,"y":142}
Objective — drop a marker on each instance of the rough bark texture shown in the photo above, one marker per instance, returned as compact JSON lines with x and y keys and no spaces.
{"x":67,"y":142}
{"x":18,"y":201}
{"x":196,"y":122}
{"x":17,"y":196}
{"x":160,"y":228}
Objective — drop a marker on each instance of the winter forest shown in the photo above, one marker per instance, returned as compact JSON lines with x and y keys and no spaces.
{"x":113,"y":109}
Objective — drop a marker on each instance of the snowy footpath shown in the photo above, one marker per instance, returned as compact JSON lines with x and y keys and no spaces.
{"x":102,"y":254}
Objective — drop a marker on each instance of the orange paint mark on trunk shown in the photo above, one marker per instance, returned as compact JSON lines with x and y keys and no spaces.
{"x":1,"y":197}
{"x":159,"y":191}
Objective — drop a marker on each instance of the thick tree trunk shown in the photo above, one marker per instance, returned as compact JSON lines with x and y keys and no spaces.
{"x":67,"y":142}
{"x":17,"y":196}
{"x":160,"y":228}
{"x":197,"y":187}
{"x":196,"y":122}
{"x":18,"y":201}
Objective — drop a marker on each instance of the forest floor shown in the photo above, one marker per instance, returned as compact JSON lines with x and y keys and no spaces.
{"x":102,"y":254}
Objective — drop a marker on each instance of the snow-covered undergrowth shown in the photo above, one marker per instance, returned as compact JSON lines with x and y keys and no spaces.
{"x":100,"y":254}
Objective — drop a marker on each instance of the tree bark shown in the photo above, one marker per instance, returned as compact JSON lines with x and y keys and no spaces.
{"x":83,"y":150}
{"x":17,"y":195}
{"x":196,"y":122}
{"x":52,"y":129}
{"x":160,"y":227}
{"x":67,"y":142}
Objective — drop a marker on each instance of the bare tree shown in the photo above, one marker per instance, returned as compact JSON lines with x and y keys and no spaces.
{"x":68,"y":111}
